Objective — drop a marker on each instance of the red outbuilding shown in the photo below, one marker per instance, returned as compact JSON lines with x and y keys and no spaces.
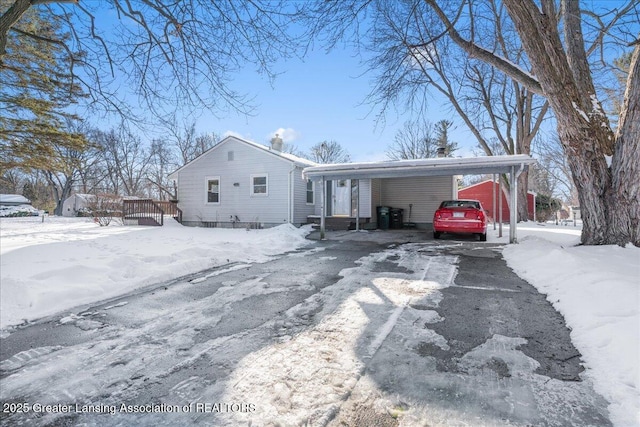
{"x":483,"y":192}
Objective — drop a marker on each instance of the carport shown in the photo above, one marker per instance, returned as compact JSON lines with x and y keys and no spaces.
{"x":513,"y":165}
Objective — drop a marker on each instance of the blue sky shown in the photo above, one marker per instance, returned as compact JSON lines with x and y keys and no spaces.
{"x":322,"y":98}
{"x":319,"y":99}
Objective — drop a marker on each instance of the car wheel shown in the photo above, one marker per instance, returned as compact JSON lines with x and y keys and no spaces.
{"x":483,"y":237}
{"x":436,"y":234}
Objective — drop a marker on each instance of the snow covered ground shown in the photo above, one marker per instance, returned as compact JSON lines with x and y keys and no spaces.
{"x":59,"y":263}
{"x":597,"y":290}
{"x":50,"y":266}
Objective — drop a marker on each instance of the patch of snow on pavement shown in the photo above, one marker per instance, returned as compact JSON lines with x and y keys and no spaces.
{"x":305,"y":378}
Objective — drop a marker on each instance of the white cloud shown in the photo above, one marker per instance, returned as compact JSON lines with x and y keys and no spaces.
{"x":288,"y":135}
{"x":232,"y":133}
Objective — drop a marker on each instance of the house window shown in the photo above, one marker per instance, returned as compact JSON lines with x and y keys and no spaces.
{"x":213,"y":189}
{"x":310,"y":196}
{"x":229,"y":156}
{"x":259,"y":185}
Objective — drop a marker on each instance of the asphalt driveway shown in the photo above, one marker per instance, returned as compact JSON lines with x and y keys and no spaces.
{"x":360,"y":329}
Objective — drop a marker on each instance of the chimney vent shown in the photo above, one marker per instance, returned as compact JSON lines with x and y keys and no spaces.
{"x":276,"y":143}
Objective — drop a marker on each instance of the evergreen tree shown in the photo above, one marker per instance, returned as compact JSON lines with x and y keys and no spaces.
{"x":36,"y":91}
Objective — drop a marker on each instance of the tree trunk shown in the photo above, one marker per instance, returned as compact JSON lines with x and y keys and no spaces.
{"x":608,"y":196}
{"x":523,"y":200}
{"x":8,"y":20}
{"x":590,"y":174}
{"x":623,"y":200}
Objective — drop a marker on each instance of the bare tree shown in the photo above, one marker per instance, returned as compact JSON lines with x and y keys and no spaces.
{"x":553,"y":162}
{"x":176,"y":54}
{"x":557,"y":59}
{"x":126,"y":162}
{"x":416,"y":140}
{"x":184,"y":140}
{"x":12,"y":181}
{"x":205,"y":141}
{"x":62,"y":175}
{"x":161,"y":163}
{"x":413,"y":141}
{"x":490,"y":104}
{"x":105,"y":208}
{"x":328,"y":152}
{"x":37,"y":189}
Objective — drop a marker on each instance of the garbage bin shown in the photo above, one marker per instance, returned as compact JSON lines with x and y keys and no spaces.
{"x":383,"y":217}
{"x":396,"y":218}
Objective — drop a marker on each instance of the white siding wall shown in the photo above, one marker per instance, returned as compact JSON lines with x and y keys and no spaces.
{"x":235,"y":200}
{"x":301,"y":210}
{"x":376,"y":187}
{"x":365,"y":198}
{"x":424,"y":193}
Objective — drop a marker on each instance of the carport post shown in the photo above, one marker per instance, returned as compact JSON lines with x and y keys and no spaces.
{"x":493,"y":188}
{"x":322,"y":207}
{"x":357,"y":205}
{"x":500,"y":207}
{"x":513,"y":209}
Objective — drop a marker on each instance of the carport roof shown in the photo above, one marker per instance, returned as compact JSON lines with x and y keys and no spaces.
{"x":420,"y":167}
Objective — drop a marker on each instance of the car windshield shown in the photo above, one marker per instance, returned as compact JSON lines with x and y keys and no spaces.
{"x":460,"y":204}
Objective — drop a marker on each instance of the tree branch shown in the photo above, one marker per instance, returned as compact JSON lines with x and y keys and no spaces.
{"x":13,"y":15}
{"x":484,"y":55}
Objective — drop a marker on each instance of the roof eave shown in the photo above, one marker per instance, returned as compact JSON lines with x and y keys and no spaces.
{"x":423,"y":167}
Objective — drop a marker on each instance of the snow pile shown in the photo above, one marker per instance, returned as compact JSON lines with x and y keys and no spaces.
{"x":18,"y":210}
{"x":50,"y":266}
{"x":597,"y":290}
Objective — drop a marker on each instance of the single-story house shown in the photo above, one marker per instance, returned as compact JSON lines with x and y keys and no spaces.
{"x":77,"y":204}
{"x":240,"y":183}
{"x":483,"y":191}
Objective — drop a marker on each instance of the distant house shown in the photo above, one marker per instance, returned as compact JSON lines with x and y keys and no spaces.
{"x":241,"y":183}
{"x":574,"y":213}
{"x":16,"y":205}
{"x":13,"y":200}
{"x":483,"y":192}
{"x":77,"y":204}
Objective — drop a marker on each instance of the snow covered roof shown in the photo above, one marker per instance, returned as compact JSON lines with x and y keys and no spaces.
{"x":298,"y":161}
{"x":13,"y":199}
{"x":420,"y":167}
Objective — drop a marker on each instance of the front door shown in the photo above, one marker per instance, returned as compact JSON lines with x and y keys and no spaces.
{"x":342,"y":197}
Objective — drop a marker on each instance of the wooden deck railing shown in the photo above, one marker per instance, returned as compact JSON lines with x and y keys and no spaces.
{"x":149,"y":212}
{"x":171,"y":209}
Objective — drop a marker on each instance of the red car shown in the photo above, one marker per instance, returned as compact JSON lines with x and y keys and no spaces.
{"x":460,"y":217}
